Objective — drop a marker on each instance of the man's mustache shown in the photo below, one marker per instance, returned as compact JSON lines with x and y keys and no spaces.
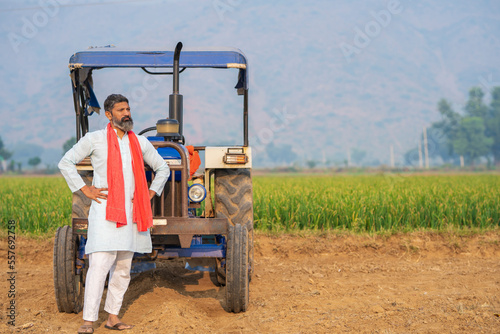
{"x":126,"y":118}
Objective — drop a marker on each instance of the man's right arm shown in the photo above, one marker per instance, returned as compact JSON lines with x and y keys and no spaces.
{"x":67,"y":165}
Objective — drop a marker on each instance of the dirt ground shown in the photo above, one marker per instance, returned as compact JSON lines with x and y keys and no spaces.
{"x":418,"y":283}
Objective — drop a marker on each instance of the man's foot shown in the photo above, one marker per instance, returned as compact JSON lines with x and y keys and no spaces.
{"x":115,"y":323}
{"x":84,"y":329}
{"x":119,"y":326}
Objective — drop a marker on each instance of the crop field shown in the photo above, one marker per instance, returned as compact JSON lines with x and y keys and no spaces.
{"x":299,"y":202}
{"x":377,"y":203}
{"x":369,"y":279}
{"x":38,"y":204}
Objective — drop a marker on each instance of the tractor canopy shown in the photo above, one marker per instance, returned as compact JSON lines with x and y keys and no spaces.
{"x":109,"y":56}
{"x":81,"y":65}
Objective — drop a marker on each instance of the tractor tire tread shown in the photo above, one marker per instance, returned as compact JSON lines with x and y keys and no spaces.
{"x":234,"y":201}
{"x":237,"y":276}
{"x":234,"y":196}
{"x":64,"y":271}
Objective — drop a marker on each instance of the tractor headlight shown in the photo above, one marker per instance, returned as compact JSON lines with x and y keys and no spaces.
{"x":197,"y":193}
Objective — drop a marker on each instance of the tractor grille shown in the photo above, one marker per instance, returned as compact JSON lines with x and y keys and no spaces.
{"x":173,"y":201}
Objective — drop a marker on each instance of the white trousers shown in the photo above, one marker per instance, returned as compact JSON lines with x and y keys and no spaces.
{"x":118,"y":264}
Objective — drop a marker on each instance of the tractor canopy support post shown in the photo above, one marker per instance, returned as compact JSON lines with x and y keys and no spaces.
{"x":76,"y":94}
{"x":245,"y":118}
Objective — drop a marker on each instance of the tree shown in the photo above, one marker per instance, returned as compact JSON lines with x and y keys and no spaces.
{"x":68,"y":144}
{"x":281,"y":154}
{"x":34,"y":161}
{"x":445,"y":131}
{"x":493,"y":124}
{"x":3,"y":152}
{"x":475,"y":106}
{"x":311,"y":163}
{"x":412,"y":157}
{"x":462,"y":135}
{"x":12,"y":166}
{"x":470,"y":140}
{"x":358,"y":156}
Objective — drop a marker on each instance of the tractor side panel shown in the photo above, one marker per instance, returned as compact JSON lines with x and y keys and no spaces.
{"x":81,"y":203}
{"x":216,"y":157}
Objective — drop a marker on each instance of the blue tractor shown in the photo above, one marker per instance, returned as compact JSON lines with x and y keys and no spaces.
{"x":208,"y":219}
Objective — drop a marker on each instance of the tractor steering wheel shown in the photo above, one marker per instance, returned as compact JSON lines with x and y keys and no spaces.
{"x":183,"y":140}
{"x":147,"y":130}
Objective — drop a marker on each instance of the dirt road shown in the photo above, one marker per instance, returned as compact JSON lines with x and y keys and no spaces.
{"x":419,"y":283}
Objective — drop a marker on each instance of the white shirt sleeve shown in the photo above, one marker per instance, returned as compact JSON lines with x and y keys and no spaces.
{"x":156,"y":162}
{"x":67,"y":165}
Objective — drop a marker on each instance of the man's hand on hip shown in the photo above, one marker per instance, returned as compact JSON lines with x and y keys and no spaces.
{"x":94,"y":193}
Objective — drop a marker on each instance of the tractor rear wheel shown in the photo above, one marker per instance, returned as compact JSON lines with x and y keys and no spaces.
{"x":234,"y":201}
{"x":218,"y":276}
{"x":237,"y":273}
{"x":68,"y":285}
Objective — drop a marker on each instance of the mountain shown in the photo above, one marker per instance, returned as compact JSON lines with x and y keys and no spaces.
{"x":304,"y":90}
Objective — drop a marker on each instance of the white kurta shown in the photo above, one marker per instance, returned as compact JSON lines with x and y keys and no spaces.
{"x":103,"y":235}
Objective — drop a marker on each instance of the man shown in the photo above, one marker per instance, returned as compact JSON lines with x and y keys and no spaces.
{"x":120,"y":213}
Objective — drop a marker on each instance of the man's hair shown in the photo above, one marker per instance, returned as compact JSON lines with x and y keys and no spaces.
{"x":112,"y":100}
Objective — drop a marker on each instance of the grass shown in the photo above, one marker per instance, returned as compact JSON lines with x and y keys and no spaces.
{"x":38,"y":204}
{"x":376,"y":203}
{"x":294,"y":203}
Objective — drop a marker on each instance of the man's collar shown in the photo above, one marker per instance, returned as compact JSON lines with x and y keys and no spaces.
{"x":116,"y":132}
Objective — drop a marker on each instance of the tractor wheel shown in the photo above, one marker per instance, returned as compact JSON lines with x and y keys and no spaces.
{"x":237,"y":273}
{"x":234,"y":200}
{"x":81,"y":203}
{"x":67,"y":285}
{"x":218,"y":276}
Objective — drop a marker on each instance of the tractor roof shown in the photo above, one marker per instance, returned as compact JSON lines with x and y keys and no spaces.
{"x":110,"y":56}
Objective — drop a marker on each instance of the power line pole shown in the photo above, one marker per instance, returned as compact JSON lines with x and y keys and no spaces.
{"x":392,"y":156}
{"x":426,"y":149}
{"x":420,"y":160}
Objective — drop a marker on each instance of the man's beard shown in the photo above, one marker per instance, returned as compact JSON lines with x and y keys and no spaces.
{"x":125,"y":124}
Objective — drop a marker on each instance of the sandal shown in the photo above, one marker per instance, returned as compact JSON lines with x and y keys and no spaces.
{"x":84,"y":329}
{"x":116,"y":327}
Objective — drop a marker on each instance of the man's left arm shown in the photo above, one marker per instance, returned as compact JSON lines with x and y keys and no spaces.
{"x":156,"y":162}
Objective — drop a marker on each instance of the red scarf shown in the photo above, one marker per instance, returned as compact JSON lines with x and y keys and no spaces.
{"x":115,"y":208}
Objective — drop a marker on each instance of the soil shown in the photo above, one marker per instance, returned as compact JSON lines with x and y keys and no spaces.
{"x":412,"y":283}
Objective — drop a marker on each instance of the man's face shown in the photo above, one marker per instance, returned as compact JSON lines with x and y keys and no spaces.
{"x":120,"y":116}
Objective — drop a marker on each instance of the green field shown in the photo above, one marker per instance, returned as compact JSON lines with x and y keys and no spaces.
{"x":377,"y":203}
{"x":298,"y":202}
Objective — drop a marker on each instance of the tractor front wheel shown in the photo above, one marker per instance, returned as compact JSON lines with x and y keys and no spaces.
{"x":234,"y":201}
{"x":237,"y":271}
{"x":68,"y":285}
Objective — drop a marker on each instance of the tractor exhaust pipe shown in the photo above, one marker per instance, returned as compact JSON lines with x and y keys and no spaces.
{"x":175,"y":99}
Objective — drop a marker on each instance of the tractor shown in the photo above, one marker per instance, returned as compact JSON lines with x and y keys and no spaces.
{"x":208,"y":219}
